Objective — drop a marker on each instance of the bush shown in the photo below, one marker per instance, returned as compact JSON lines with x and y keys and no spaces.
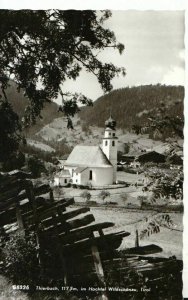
{"x":104,"y":194}
{"x":124,"y":198}
{"x":142,"y":200}
{"x":36,"y":166}
{"x":20,"y":260}
{"x":86,"y":195}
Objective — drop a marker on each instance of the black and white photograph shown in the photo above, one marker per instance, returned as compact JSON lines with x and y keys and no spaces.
{"x":91,"y":154}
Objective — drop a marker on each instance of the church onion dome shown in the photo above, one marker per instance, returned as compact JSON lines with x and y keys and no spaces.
{"x":110,"y":123}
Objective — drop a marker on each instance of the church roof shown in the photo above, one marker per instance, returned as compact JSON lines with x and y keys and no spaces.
{"x":80,"y":169}
{"x":88,"y":156}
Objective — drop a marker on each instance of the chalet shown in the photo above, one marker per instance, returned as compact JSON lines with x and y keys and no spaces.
{"x":151,"y":156}
{"x":129,"y":157}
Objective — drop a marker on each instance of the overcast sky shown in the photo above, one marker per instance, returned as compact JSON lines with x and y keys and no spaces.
{"x":154,"y":51}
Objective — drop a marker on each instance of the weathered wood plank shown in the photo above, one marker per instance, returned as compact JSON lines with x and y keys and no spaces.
{"x":52,"y":207}
{"x":18,"y":174}
{"x":10,"y":192}
{"x":42,"y":189}
{"x":80,"y":222}
{"x":83,"y":233}
{"x":113,"y":240}
{"x":144,"y":250}
{"x":45,"y":209}
{"x":9,"y":215}
{"x":10,"y":202}
{"x":83,"y":262}
{"x":123,"y":264}
{"x":42,"y":205}
{"x":65,"y":216}
{"x":5,"y":183}
{"x":148,"y":268}
{"x":72,"y":224}
{"x":99,"y":268}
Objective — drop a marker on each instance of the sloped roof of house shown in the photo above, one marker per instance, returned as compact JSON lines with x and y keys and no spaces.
{"x":88,"y":156}
{"x":63,"y":173}
{"x":151,"y":156}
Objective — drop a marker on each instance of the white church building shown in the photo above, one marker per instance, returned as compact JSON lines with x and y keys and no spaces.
{"x":94,"y":165}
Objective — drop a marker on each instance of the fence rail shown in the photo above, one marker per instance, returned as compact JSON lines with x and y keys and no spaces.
{"x":84,"y":250}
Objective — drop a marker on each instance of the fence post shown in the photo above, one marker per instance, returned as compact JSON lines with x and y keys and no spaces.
{"x":98,"y":267}
{"x":137,"y":239}
{"x":31,"y":197}
{"x":20,"y":220}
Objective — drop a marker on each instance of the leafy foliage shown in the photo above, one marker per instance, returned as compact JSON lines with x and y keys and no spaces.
{"x":104,"y":194}
{"x":40,"y":50}
{"x":20,"y":260}
{"x":86,"y":195}
{"x":165,"y":184}
{"x":36,"y":166}
{"x":9,"y":131}
{"x":167,"y":125}
{"x":155,"y":223}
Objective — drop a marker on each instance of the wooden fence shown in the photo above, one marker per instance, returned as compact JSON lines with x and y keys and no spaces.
{"x":85,"y":253}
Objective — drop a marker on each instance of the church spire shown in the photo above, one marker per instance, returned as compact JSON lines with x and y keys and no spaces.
{"x":110,"y":144}
{"x":110,"y":123}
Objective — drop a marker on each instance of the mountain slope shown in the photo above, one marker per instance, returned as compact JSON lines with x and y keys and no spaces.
{"x":19,"y":103}
{"x":131,"y":106}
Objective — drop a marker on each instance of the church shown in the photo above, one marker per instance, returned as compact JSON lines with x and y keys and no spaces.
{"x":94,"y":165}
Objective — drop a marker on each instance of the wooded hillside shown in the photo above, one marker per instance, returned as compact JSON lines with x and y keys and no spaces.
{"x":19,"y":103}
{"x":132,"y":105}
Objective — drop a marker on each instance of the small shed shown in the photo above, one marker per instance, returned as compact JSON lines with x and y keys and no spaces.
{"x":62,"y":178}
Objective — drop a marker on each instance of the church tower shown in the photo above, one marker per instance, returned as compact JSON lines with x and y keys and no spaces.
{"x":109,"y":146}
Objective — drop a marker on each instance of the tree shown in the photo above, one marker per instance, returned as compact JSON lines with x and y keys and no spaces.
{"x":163,"y":184}
{"x":154,"y":224}
{"x":40,"y":50}
{"x":36,"y":166}
{"x":137,"y":129}
{"x":104,"y":194}
{"x":160,"y":120}
{"x":86,"y":195}
{"x":9,"y":131}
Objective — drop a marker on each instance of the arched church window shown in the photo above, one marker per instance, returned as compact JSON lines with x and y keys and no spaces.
{"x":90,"y":175}
{"x":113,"y":143}
{"x":113,"y":133}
